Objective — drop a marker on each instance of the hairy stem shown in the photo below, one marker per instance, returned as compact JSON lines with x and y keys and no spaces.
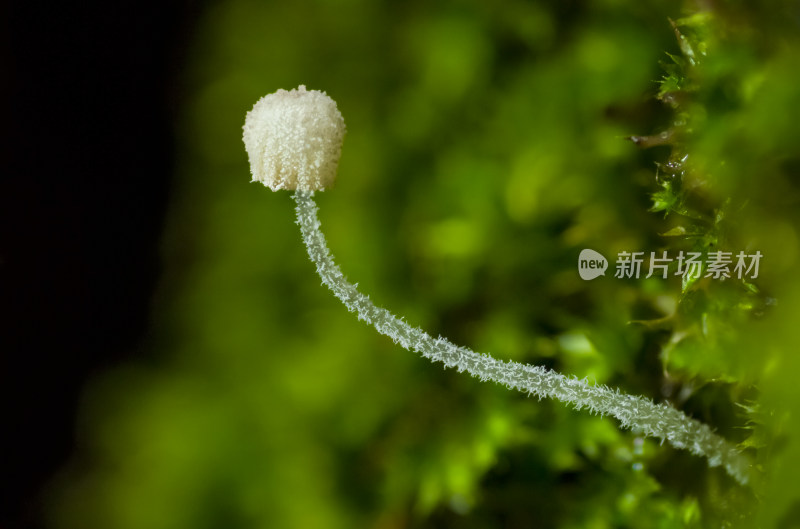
{"x":637,"y":413}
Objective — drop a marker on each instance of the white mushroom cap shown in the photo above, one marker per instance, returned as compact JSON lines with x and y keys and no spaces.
{"x":294,"y":140}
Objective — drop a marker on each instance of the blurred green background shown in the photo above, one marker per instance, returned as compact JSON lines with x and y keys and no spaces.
{"x":485,"y":148}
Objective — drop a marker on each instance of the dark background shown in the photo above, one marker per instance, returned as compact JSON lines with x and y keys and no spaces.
{"x":89,"y":90}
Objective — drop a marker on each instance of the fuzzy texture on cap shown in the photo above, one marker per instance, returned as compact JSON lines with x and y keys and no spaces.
{"x":294,"y":140}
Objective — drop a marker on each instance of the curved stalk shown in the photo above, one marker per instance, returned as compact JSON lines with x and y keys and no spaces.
{"x":637,"y":413}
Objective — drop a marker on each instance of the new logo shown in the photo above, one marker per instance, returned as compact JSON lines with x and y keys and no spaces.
{"x":591,"y":264}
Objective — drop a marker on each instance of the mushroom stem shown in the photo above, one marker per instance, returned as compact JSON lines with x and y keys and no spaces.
{"x":634,"y":412}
